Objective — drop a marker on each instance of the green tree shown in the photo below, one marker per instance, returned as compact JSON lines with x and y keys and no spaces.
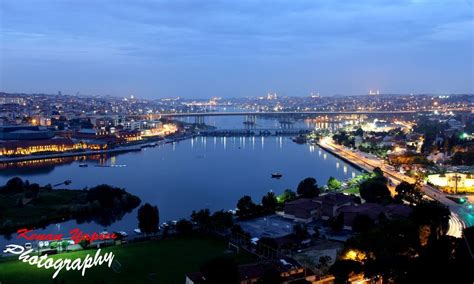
{"x":308,"y":188}
{"x":408,"y":192}
{"x":184,"y":227}
{"x":343,"y":269}
{"x":334,"y":184}
{"x":375,"y":190}
{"x":222,"y":220}
{"x":85,"y":242}
{"x":287,"y":195}
{"x":269,"y":202}
{"x":202,"y":218}
{"x":433,"y":214}
{"x":246,"y":207}
{"x":148,"y":218}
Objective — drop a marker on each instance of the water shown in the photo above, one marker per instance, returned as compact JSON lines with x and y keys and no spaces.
{"x":204,"y":172}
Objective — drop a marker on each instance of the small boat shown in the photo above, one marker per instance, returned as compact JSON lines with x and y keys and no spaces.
{"x":137,"y":231}
{"x":118,"y":166}
{"x":83,"y":165}
{"x":276,"y":175}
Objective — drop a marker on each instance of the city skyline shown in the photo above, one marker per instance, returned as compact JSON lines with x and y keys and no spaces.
{"x":245,"y":49}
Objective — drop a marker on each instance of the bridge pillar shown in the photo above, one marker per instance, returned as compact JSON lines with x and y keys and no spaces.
{"x":286,"y":124}
{"x":198,"y":119}
{"x":250,"y":121}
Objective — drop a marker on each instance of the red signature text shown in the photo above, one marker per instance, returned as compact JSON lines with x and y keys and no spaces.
{"x":75,"y":234}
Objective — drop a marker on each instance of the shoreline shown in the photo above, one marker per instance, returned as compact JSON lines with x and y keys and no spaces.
{"x":120,"y":149}
{"x":345,"y":159}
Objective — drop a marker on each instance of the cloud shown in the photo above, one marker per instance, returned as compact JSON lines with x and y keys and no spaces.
{"x":222,"y":34}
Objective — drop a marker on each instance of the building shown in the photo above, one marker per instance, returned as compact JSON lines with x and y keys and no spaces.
{"x":11,"y":100}
{"x":322,"y":207}
{"x":453,"y":182}
{"x":25,"y":132}
{"x":302,"y":210}
{"x":331,"y":202}
{"x":28,"y":147}
{"x":373,"y":211}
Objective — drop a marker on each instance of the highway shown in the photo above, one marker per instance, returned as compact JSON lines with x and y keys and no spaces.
{"x":461,"y":216}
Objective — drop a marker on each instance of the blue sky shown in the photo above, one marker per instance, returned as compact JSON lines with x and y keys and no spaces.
{"x":201,"y":48}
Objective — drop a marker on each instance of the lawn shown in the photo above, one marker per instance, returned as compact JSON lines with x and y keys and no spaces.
{"x":164,"y":261}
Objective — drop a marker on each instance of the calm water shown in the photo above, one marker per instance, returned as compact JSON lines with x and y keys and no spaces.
{"x":189,"y":175}
{"x":193,"y":174}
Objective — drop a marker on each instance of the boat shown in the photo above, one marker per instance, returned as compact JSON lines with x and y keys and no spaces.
{"x":83,"y":165}
{"x":137,"y":231}
{"x":118,"y":166}
{"x":276,"y":175}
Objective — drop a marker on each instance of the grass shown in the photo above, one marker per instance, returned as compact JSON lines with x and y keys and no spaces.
{"x":164,"y":261}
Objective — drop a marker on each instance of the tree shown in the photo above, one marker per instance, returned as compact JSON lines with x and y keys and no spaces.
{"x":308,"y":188}
{"x":334,"y":184}
{"x":378,"y":172}
{"x":359,"y":132}
{"x":184,"y":227}
{"x":85,"y":242}
{"x":14,"y":185}
{"x":222,"y":220}
{"x":220,"y":270}
{"x":343,"y":269}
{"x":246,"y":207}
{"x":408,"y":192}
{"x":433,"y":214}
{"x":202,"y":218}
{"x":269,"y":202}
{"x":148,"y":218}
{"x":287,"y":195}
{"x":362,"y":223}
{"x":375,"y":190}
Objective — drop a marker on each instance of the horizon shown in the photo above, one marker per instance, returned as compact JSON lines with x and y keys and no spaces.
{"x":231,"y":98}
{"x":191,"y":50}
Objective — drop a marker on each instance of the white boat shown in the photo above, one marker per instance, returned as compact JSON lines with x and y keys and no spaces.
{"x":137,"y":231}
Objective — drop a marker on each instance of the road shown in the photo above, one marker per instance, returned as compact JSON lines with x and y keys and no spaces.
{"x":461,"y":215}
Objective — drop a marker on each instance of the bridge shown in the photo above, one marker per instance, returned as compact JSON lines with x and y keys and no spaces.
{"x":255,"y":132}
{"x":286,"y":113}
{"x":251,"y":116}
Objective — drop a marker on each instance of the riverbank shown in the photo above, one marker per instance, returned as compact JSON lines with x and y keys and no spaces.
{"x":26,"y":205}
{"x":121,"y":149}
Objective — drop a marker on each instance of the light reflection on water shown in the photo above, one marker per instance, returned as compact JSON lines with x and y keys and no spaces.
{"x":189,"y":175}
